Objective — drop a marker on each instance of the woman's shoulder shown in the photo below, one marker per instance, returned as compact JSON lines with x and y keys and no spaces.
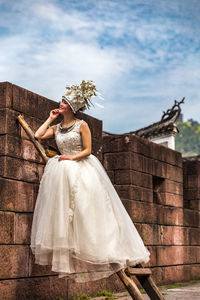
{"x":55,"y":127}
{"x":81,"y":122}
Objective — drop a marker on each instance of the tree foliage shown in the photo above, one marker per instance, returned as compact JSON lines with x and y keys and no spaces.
{"x":187,"y":141}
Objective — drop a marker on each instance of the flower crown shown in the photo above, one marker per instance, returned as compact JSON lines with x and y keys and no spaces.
{"x":78,"y":96}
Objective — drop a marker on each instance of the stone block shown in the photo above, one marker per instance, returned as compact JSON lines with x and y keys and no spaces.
{"x":174,"y":235}
{"x":147,"y":165}
{"x":20,"y":169}
{"x":40,"y":288}
{"x":177,"y":255}
{"x":138,"y":162}
{"x":170,"y":215}
{"x":157,"y":274}
{"x":141,"y":211}
{"x":167,"y":155}
{"x":191,"y":194}
{"x":2,"y":144}
{"x":117,"y":143}
{"x":171,"y":199}
{"x":23,"y":222}
{"x":169,"y":186}
{"x":20,"y":148}
{"x":13,"y":261}
{"x":113,"y":161}
{"x":159,"y":168}
{"x":29,"y":103}
{"x":8,"y":122}
{"x":134,"y":193}
{"x":142,"y":146}
{"x":191,"y":218}
{"x":194,"y":204}
{"x":174,"y":173}
{"x":183,"y":273}
{"x":7,"y":227}
{"x":5,"y":94}
{"x":191,"y":167}
{"x":149,"y":233}
{"x":194,"y":236}
{"x":16,"y":195}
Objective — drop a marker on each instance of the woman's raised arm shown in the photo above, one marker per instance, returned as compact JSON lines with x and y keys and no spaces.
{"x":44,"y":131}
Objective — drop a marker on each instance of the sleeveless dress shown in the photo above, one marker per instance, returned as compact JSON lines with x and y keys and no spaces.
{"x":80,"y":226}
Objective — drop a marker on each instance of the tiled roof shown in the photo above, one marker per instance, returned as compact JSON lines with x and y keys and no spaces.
{"x":166,"y":126}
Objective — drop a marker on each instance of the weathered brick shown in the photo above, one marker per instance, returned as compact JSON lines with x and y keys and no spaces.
{"x":12,"y":258}
{"x":182,"y":272}
{"x":134,"y":193}
{"x":194,"y":204}
{"x":147,"y":165}
{"x":141,"y":211}
{"x":23,"y":222}
{"x":191,"y":218}
{"x":170,"y":215}
{"x":40,"y":288}
{"x":159,"y":169}
{"x":5,"y":94}
{"x":175,"y":255}
{"x":171,"y":199}
{"x":21,"y":169}
{"x":174,"y":235}
{"x":16,"y":195}
{"x":117,"y":143}
{"x":7,"y":227}
{"x":174,"y":173}
{"x":150,"y":234}
{"x":113,"y":161}
{"x":194,"y":236}
{"x":171,"y":187}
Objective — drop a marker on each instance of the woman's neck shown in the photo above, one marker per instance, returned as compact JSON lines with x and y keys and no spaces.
{"x":69,"y":118}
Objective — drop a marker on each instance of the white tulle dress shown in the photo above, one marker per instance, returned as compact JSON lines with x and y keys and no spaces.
{"x":80,"y":226}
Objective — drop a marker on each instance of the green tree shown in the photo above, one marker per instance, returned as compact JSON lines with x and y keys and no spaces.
{"x":187,"y":141}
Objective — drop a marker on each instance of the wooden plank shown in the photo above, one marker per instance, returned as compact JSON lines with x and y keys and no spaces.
{"x":130,"y":285}
{"x":30,"y":134}
{"x":139,"y":271}
{"x":150,"y":287}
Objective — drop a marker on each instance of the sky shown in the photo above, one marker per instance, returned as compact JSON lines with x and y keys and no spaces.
{"x":142,"y":55}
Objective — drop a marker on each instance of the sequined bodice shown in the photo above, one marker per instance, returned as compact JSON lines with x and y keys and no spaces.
{"x":69,"y":142}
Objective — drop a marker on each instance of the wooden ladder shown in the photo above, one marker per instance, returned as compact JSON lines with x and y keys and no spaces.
{"x":144,"y":277}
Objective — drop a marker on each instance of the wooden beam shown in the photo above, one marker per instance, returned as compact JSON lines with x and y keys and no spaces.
{"x":30,"y":134}
{"x":130,"y":285}
{"x":139,"y":271}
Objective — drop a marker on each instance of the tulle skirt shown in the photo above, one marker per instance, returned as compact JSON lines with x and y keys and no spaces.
{"x":80,"y":226}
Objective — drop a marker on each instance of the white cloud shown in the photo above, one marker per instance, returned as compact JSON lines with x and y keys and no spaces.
{"x":137,"y":60}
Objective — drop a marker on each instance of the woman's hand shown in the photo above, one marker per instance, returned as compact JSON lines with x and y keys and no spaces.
{"x":54,"y":114}
{"x":65,"y":157}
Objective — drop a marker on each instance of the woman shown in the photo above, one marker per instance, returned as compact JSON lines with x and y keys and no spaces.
{"x":80,"y":225}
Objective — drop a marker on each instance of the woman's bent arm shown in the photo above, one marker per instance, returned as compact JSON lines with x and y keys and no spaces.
{"x":43,"y":131}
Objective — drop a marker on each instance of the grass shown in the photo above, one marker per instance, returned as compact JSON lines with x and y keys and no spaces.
{"x":109,"y":295}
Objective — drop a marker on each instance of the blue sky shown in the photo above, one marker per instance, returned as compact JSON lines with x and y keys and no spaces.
{"x":142,"y":55}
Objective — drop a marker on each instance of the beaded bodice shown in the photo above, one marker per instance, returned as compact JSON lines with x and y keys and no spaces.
{"x":69,"y":142}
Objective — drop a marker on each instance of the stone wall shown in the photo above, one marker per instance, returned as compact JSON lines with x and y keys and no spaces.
{"x":148,"y":178}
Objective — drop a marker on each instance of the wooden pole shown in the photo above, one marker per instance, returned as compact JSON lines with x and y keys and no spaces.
{"x":30,"y":134}
{"x":130,"y":285}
